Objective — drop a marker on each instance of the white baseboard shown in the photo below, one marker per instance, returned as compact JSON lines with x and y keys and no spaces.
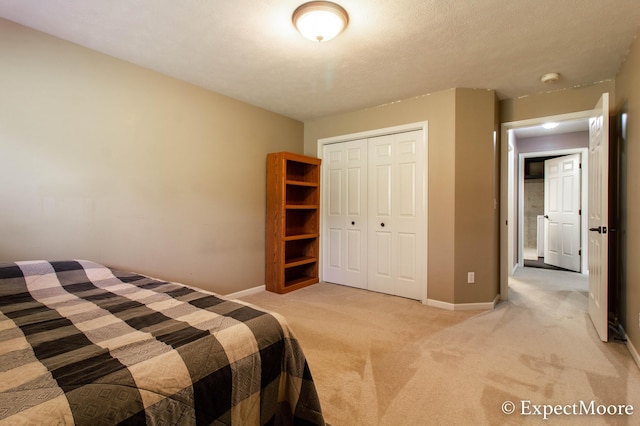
{"x":632,"y":350}
{"x":244,"y":293}
{"x":440,"y":305}
{"x":483,"y":306}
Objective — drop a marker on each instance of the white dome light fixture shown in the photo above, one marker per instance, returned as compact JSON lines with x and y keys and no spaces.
{"x":320,"y":20}
{"x":550,"y":125}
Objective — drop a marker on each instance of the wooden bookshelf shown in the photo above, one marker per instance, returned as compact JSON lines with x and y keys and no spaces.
{"x":293,"y":221}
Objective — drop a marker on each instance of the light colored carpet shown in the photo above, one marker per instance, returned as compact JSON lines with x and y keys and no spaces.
{"x":384,"y":360}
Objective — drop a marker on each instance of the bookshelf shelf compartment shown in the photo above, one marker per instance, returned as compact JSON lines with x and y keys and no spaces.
{"x":301,"y":222}
{"x":300,"y":276}
{"x":293,"y":209}
{"x":302,"y":171}
{"x":302,"y":195}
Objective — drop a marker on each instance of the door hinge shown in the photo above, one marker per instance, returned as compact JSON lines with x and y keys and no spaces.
{"x":579,"y":165}
{"x":579,"y":212}
{"x":580,"y":252}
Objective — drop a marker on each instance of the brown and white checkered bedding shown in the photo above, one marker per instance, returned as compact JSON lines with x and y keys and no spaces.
{"x":84,"y":344}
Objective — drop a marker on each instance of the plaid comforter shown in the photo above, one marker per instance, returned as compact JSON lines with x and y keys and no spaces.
{"x":84,"y":344}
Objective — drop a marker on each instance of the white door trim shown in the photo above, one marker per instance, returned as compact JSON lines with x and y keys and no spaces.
{"x":504,"y":198}
{"x":420,"y":126}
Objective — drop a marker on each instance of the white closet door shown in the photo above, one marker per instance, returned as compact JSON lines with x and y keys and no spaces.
{"x":396,"y":214}
{"x":345,"y":236}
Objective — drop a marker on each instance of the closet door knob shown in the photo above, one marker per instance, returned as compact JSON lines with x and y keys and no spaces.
{"x":382,"y":224}
{"x":353,"y":223}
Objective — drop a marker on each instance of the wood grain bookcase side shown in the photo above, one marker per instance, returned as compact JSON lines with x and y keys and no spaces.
{"x":293,"y":221}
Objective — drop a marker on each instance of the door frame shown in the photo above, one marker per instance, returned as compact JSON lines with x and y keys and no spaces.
{"x":584,"y":160}
{"x":422,"y":126}
{"x":506,"y":246}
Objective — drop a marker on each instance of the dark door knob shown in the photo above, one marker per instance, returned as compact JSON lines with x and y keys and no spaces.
{"x":599,"y":229}
{"x":382,"y":224}
{"x":353,"y":223}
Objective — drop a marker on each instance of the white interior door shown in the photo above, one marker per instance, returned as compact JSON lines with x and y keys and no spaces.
{"x":598,"y":216}
{"x":345,"y":230}
{"x":562,"y":193}
{"x":396,"y":215}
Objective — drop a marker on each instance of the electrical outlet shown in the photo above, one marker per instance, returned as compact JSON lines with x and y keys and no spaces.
{"x":471,"y":277}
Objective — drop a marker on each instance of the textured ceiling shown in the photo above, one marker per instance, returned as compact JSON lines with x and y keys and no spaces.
{"x":391,"y":50}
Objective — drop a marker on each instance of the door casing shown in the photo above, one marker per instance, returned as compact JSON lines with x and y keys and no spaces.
{"x":583,"y":219}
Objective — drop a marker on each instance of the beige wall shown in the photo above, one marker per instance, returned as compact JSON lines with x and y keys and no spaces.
{"x":628,"y":92}
{"x":104,"y":160}
{"x":450,"y":254}
{"x":476,"y":196}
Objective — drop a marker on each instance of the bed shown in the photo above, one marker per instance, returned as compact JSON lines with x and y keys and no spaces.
{"x":81,"y":343}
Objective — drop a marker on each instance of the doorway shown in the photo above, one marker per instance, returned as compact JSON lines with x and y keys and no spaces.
{"x":541,"y":143}
{"x":548,"y":237}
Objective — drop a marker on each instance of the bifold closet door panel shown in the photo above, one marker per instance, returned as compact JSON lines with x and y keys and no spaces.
{"x":395,"y":219}
{"x":345,"y":237}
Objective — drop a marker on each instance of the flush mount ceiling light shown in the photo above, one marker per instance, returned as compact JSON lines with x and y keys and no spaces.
{"x":550,"y":125}
{"x":551,"y":77}
{"x":320,"y":20}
